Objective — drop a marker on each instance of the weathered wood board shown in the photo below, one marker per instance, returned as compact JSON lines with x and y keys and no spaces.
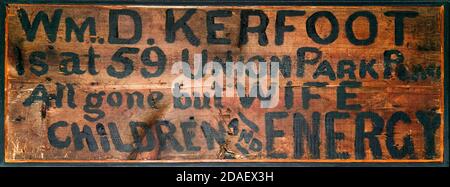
{"x":91,"y":83}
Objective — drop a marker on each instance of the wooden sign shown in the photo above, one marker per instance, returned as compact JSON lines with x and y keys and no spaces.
{"x":164,"y":84}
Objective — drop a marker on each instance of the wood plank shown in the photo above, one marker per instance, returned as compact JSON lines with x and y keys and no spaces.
{"x":395,"y":114}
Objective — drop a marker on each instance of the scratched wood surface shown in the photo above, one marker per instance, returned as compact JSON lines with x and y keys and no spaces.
{"x":27,"y":127}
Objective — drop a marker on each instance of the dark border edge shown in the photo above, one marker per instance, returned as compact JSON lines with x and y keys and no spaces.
{"x":446,"y":81}
{"x":237,"y":2}
{"x":2,"y":84}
